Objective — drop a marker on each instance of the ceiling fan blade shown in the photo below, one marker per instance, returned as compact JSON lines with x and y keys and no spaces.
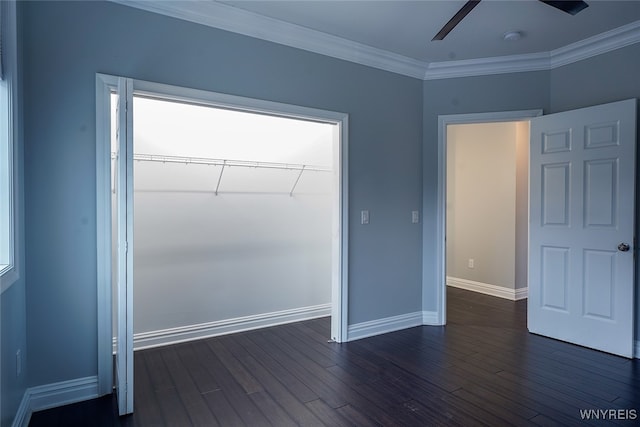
{"x":571,"y":7}
{"x":464,"y":11}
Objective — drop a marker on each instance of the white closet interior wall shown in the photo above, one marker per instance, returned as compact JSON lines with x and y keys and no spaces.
{"x":232,"y":215}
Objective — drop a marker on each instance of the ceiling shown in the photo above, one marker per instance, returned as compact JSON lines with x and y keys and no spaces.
{"x":396,"y":35}
{"x":406,"y":27}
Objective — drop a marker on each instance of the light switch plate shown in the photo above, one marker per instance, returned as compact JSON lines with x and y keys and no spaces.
{"x":364,"y":217}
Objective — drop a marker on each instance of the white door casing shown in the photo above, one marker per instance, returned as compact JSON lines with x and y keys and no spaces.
{"x":440,"y":317}
{"x":124,"y":230}
{"x":582,"y":206}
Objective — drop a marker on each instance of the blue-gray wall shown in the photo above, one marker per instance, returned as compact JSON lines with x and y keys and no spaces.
{"x":609,"y":77}
{"x":65,"y":44}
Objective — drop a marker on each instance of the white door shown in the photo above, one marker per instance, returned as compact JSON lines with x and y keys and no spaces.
{"x":124,"y":229}
{"x":581,"y":226}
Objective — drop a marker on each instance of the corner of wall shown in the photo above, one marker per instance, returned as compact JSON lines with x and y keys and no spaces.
{"x":23,"y":414}
{"x":53,"y":395}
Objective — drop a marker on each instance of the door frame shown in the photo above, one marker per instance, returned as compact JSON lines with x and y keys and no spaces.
{"x":441,"y":217}
{"x":105,"y":85}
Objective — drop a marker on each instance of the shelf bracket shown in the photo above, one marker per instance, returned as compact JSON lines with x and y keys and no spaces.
{"x":296,"y":183}
{"x":220,"y":176}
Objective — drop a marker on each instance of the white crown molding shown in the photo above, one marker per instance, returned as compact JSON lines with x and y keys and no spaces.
{"x":593,"y":46}
{"x":602,"y":43}
{"x":487,"y":66}
{"x":229,"y":18}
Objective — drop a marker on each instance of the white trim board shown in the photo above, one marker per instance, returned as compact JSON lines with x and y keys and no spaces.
{"x":592,"y":46}
{"x":392,"y":324}
{"x":229,"y":18}
{"x":11,"y":271}
{"x":385,"y":325}
{"x":228,"y":326}
{"x":636,"y":350}
{"x":53,"y":395}
{"x":23,"y":414}
{"x":488,"y":289}
{"x":430,"y":318}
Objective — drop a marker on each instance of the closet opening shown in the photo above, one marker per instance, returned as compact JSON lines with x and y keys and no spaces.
{"x":236,"y":210}
{"x":232,"y":219}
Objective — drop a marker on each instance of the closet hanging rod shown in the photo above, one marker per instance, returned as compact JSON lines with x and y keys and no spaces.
{"x":224,"y":162}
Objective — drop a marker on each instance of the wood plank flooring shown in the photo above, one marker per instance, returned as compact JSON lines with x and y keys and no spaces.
{"x":483,"y":368}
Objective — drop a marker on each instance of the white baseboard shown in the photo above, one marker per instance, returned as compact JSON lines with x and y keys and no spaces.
{"x":23,"y":414}
{"x":487,"y":289}
{"x":383,"y":326}
{"x":54,"y":395}
{"x":522,"y":293}
{"x":430,"y":318}
{"x":221,"y":327}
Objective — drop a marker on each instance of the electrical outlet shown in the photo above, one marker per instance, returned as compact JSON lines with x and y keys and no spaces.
{"x":471,"y":263}
{"x":415,"y":217}
{"x":18,"y":363}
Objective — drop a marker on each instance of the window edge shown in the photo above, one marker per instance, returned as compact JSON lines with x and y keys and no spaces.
{"x":9,"y":272}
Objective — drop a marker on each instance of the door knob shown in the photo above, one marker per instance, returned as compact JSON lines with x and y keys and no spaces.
{"x":623,"y":247}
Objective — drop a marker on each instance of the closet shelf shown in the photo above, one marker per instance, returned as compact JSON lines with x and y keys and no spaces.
{"x":224,"y":162}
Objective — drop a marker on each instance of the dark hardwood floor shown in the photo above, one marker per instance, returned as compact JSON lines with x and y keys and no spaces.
{"x":483,"y":368}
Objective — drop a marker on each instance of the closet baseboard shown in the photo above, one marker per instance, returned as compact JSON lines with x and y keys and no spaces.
{"x":488,"y":289}
{"x":228,"y":326}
